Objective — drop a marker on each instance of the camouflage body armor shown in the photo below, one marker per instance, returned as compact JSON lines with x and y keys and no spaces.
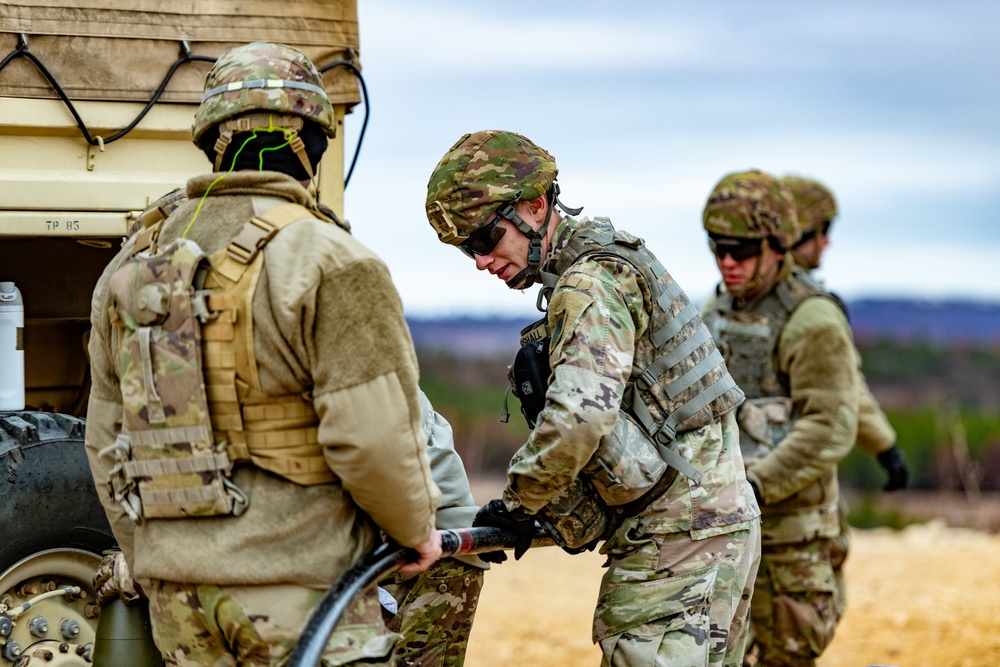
{"x":678,"y":383}
{"x":749,"y":340}
{"x":193,"y":404}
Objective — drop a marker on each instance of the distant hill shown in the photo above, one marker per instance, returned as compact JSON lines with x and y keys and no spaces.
{"x":899,"y":320}
{"x":468,"y":336}
{"x":943,"y":322}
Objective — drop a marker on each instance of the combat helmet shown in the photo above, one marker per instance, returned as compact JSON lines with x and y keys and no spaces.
{"x":276,"y":80}
{"x":481,"y":177}
{"x":814,"y":203}
{"x":752,"y":205}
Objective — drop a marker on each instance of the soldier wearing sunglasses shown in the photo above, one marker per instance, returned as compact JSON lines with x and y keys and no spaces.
{"x":789,"y":346}
{"x":635,"y":441}
{"x":816,"y":209}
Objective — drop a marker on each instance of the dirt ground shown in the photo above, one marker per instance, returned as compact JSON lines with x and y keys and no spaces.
{"x":925,"y":596}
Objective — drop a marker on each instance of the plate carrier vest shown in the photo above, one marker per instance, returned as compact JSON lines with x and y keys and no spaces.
{"x":682,"y":385}
{"x":193,"y":404}
{"x":749,"y":342}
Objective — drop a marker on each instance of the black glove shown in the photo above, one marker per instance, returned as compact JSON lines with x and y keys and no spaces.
{"x":894,"y":465}
{"x":518,"y":522}
{"x":589,"y":546}
{"x":756,"y":492}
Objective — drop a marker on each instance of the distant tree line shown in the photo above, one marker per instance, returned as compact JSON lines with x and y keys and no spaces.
{"x":943,"y":400}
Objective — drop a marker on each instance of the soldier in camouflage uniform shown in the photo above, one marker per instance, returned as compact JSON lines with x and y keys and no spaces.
{"x":637,"y":419}
{"x":303,"y":396}
{"x":816,"y":209}
{"x":432,"y":611}
{"x":790,"y":349}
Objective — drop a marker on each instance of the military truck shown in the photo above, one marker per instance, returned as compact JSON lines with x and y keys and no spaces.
{"x":96,"y":103}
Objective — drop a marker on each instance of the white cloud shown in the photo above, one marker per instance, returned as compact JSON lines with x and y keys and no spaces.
{"x":460,"y":40}
{"x":647,"y":105}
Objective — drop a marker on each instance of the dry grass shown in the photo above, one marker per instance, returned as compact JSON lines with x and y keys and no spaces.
{"x":927,"y":596}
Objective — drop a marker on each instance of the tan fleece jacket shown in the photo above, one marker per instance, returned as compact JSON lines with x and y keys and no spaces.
{"x":812,"y":350}
{"x":329,"y":324}
{"x":875,"y":433}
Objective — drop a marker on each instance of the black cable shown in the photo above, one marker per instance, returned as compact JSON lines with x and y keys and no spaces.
{"x":159,"y":91}
{"x":364,"y":96}
{"x":22,"y":51}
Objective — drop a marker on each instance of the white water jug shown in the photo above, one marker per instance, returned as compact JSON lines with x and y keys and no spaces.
{"x":11,"y":348}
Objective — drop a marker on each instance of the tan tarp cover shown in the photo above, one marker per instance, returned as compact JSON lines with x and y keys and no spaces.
{"x":122,"y":49}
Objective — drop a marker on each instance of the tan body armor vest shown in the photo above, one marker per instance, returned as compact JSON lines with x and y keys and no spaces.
{"x":749,"y":341}
{"x":193,"y":403}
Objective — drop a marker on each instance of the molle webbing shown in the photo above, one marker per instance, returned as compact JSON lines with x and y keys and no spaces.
{"x":276,"y":433}
{"x":749,"y":338}
{"x":680,"y":381}
{"x":171,"y":466}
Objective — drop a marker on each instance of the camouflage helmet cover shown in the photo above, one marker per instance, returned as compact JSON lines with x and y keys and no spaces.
{"x":480,"y":172}
{"x":262,"y":76}
{"x":814,"y":203}
{"x":754,"y":205}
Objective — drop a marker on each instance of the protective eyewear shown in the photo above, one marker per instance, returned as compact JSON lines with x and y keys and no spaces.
{"x":824,"y":229}
{"x":483,"y":241}
{"x":738,"y":249}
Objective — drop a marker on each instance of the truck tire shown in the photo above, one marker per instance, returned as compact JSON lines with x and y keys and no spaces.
{"x":54,"y":530}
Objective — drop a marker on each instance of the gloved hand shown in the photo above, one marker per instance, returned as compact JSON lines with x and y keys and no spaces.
{"x":496,"y":514}
{"x":894,"y":465}
{"x":589,"y":546}
{"x":756,"y":492}
{"x":112,"y":579}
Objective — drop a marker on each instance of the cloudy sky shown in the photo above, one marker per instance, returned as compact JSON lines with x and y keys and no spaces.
{"x":894,"y":104}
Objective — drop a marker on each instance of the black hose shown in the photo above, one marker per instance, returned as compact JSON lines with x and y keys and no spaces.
{"x":381,"y":562}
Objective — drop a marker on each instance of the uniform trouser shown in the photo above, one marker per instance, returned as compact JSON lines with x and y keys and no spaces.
{"x":795,"y":601}
{"x":434,"y":614}
{"x":227,"y":626}
{"x":839,"y":547}
{"x":671,"y":601}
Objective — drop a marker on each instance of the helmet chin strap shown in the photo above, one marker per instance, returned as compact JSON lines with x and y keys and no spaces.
{"x":527,"y":276}
{"x":267,"y":122}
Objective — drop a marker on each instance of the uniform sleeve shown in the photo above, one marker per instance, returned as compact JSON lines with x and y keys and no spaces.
{"x":104,"y":412}
{"x":364,"y":371}
{"x":816,"y":352}
{"x":875,"y":433}
{"x":456,"y":508}
{"x":595,"y":316}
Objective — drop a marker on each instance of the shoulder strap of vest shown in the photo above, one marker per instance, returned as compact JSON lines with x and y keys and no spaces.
{"x":146,"y":227}
{"x":253,"y":236}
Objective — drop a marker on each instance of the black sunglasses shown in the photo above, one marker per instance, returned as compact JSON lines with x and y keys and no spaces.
{"x":484,"y":240}
{"x":824,"y":228}
{"x":738,"y":249}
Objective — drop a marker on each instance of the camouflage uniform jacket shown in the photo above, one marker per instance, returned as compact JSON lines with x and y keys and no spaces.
{"x":328,"y":324}
{"x":792,"y":342}
{"x":600,"y":316}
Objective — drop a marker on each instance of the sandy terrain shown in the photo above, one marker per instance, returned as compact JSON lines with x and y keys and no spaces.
{"x":927,"y":596}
